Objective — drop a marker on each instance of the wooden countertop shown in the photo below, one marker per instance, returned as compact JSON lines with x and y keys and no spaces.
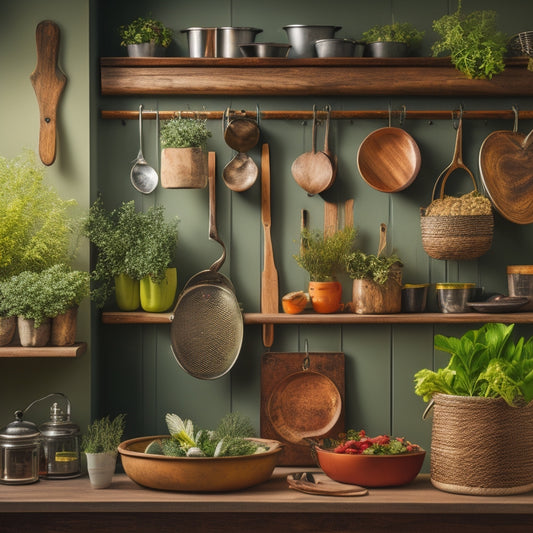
{"x":274,"y":496}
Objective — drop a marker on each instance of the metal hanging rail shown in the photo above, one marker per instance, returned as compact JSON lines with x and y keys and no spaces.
{"x":491,"y":114}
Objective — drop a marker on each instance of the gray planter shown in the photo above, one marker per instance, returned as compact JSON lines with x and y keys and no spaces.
{"x":146,"y":50}
{"x":386,"y":49}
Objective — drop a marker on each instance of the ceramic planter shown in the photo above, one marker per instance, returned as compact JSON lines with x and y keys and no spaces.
{"x":183,"y":168}
{"x":127,"y":293}
{"x":63,"y":331}
{"x":101,"y":467}
{"x":158,"y":297}
{"x":8,"y":326}
{"x":32,"y":336}
{"x":326,"y":296}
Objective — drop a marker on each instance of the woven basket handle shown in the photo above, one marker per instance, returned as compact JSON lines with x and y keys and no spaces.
{"x":457,"y":162}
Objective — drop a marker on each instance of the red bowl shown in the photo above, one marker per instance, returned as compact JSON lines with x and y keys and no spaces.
{"x":371,"y":470}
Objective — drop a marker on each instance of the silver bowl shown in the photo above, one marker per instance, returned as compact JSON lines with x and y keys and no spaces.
{"x":335,"y":47}
{"x":265,"y":49}
{"x":302,"y":38}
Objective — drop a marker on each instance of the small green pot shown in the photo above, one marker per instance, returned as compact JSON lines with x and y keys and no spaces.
{"x":127,"y":293}
{"x":158,"y":297}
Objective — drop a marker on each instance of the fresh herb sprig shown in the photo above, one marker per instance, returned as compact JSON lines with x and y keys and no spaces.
{"x":473,"y":41}
{"x":103,"y":435}
{"x":399,"y":32}
{"x":184,"y":133}
{"x":370,"y":267}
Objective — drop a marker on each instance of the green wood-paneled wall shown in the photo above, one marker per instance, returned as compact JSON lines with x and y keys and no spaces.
{"x":137,"y":371}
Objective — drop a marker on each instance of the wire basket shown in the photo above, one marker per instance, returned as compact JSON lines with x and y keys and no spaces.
{"x":525,"y":38}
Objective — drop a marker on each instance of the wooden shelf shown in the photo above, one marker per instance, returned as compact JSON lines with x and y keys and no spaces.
{"x":44,"y":351}
{"x":121,"y":317}
{"x":410,"y":76}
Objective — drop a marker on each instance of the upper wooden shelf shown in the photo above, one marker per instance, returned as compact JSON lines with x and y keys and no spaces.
{"x":44,"y":351}
{"x":121,"y":317}
{"x":311,"y":76}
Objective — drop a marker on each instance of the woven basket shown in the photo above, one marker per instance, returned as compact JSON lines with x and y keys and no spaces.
{"x":481,"y":446}
{"x":455,"y":237}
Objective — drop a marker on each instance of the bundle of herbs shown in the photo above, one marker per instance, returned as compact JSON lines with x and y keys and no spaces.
{"x":232,"y":437}
{"x":485,"y":362}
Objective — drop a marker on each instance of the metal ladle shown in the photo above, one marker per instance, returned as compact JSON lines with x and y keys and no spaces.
{"x":143,"y":177}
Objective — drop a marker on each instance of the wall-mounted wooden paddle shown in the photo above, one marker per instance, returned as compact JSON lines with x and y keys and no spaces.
{"x":269,"y":276}
{"x":48,"y":82}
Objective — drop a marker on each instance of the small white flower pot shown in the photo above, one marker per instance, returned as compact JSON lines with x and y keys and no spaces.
{"x":101,"y":467}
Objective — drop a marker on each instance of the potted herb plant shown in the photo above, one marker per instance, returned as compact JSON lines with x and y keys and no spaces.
{"x":475,"y":45}
{"x":482,"y":404}
{"x":100,"y":445}
{"x":145,"y":37}
{"x":322,"y":256}
{"x":184,"y":153}
{"x":36,"y":226}
{"x":37,"y":297}
{"x":392,"y":40}
{"x":377,"y":280}
{"x":132,"y":246}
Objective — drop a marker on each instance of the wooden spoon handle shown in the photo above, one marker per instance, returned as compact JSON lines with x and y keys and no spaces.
{"x":48,"y":83}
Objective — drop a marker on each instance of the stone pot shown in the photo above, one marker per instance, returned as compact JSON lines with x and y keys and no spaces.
{"x":32,"y":336}
{"x":63,"y":331}
{"x":370,"y":297}
{"x":183,"y":168}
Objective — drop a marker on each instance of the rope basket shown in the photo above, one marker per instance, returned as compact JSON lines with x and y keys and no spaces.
{"x":481,"y":446}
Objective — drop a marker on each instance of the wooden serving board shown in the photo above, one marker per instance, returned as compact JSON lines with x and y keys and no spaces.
{"x":275,"y":367}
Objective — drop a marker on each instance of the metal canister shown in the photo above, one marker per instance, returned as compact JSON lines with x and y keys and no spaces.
{"x":60,"y":445}
{"x":230,"y":39}
{"x":19,"y":452}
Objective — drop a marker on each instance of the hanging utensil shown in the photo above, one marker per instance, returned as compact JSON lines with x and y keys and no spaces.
{"x":506,"y":167}
{"x":48,"y":83}
{"x":388,"y":159}
{"x":241,"y":133}
{"x":207,"y":326}
{"x":240,"y":173}
{"x":143,"y":177}
{"x":269,"y":277}
{"x":313,"y":171}
{"x":332,"y":157}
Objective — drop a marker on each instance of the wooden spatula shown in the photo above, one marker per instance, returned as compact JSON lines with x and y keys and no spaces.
{"x":48,"y":82}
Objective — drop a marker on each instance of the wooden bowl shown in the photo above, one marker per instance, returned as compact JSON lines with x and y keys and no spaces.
{"x":196,"y":474}
{"x":371,"y":470}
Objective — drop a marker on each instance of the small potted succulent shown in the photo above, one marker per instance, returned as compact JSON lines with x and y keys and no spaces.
{"x":323,"y":256}
{"x":145,"y":37}
{"x":134,"y":249}
{"x":100,"y":445}
{"x":392,"y":40}
{"x":184,"y":153}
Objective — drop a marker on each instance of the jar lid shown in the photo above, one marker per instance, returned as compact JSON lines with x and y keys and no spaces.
{"x":415,"y":285}
{"x":455,"y":285}
{"x":59,"y":424}
{"x":520,"y":269}
{"x":19,"y":429}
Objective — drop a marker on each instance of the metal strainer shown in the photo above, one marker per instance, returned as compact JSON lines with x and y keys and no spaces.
{"x":207,"y":326}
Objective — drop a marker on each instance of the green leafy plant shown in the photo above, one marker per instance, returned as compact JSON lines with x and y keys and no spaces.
{"x":323,"y":256}
{"x":36,"y":228}
{"x":368,"y":266}
{"x":145,"y":30}
{"x":184,"y":133}
{"x":484,"y":362}
{"x":399,"y":32}
{"x":473,"y":41}
{"x":130,"y":242}
{"x":103,"y":435}
{"x":42,"y":295}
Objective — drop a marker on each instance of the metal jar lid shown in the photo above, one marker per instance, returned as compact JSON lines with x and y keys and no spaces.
{"x":59,"y":424}
{"x":19,"y":430}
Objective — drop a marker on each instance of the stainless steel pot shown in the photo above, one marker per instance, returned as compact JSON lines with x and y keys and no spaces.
{"x":230,"y":39}
{"x":335,"y":47}
{"x":202,"y":41}
{"x":302,"y":38}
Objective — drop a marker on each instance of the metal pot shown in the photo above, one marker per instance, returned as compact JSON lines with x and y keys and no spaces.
{"x":335,"y":47}
{"x":302,"y":38}
{"x":202,"y":41}
{"x":19,"y":452}
{"x":231,"y":38}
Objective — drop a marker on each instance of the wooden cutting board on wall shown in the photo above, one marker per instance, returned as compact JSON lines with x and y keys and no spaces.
{"x":276,"y":369}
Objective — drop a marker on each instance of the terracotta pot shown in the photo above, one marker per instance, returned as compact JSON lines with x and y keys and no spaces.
{"x":183,"y":168}
{"x":8,"y":326}
{"x":64,"y":328}
{"x":371,"y":298}
{"x":326,"y":296}
{"x":32,"y":336}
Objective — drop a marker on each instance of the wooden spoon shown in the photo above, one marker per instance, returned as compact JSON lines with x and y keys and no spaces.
{"x":313,"y":171}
